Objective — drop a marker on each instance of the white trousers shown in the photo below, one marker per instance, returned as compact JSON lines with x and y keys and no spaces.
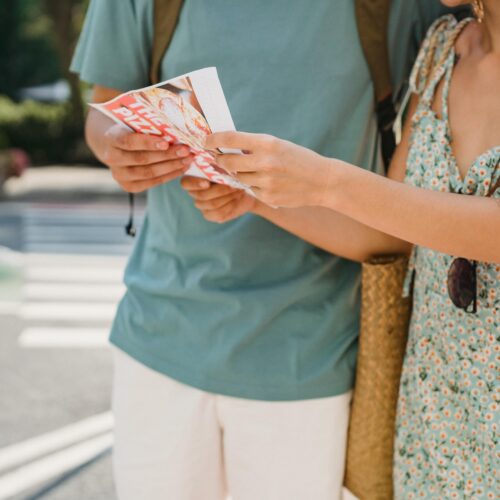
{"x":174,"y":442}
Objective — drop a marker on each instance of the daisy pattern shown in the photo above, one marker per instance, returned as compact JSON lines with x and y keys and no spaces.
{"x":447,"y":425}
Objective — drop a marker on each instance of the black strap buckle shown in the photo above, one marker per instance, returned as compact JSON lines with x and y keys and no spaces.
{"x":130,"y":228}
{"x":386,"y":115}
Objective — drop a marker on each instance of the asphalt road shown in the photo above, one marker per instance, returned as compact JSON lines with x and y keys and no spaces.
{"x":62,"y":254}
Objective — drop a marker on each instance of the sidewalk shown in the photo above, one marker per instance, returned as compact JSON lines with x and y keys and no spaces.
{"x":62,"y":183}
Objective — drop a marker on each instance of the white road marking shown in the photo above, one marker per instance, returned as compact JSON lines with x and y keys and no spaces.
{"x":51,"y":337}
{"x":82,"y":248}
{"x":67,"y":311}
{"x":69,"y":291}
{"x":53,"y":465}
{"x":74,"y":274}
{"x":9,"y":308}
{"x":68,"y":233}
{"x":19,"y":453}
{"x":67,"y":259}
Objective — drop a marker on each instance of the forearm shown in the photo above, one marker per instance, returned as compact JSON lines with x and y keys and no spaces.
{"x":333,"y":232}
{"x":465,"y":226}
{"x":96,"y":126}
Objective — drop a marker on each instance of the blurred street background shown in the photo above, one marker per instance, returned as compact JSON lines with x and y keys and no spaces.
{"x":62,"y":254}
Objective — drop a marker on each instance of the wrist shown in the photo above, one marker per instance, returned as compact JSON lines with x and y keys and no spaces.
{"x":330,"y":179}
{"x":259,"y":208}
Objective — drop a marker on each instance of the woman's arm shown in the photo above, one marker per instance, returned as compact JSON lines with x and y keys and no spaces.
{"x":286,"y":175}
{"x":465,"y":226}
{"x":322,"y":227}
{"x":334,"y":231}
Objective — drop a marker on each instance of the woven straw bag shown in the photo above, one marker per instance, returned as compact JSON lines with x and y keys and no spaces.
{"x":385,"y":318}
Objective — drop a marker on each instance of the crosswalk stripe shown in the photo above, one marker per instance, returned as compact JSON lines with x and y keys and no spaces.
{"x":8,"y":307}
{"x":67,"y":311}
{"x":73,"y":274}
{"x":78,"y":248}
{"x":53,"y":465}
{"x":102,"y":235}
{"x":19,"y":453}
{"x":69,"y":259}
{"x":57,"y":337}
{"x":73,"y":291}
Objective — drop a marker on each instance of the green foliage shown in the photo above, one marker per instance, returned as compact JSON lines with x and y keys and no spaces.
{"x":28,"y":54}
{"x":47,"y":132}
{"x":37,"y":38}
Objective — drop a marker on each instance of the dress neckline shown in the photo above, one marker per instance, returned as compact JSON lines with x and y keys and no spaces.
{"x":447,"y":73}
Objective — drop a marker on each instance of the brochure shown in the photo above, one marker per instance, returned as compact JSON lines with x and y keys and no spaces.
{"x":183,"y":110}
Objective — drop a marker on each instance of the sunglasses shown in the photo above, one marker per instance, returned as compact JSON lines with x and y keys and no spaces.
{"x":462,"y":284}
{"x":462,"y":276}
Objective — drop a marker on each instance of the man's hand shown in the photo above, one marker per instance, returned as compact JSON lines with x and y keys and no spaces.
{"x":216,"y":202}
{"x":139,"y":162}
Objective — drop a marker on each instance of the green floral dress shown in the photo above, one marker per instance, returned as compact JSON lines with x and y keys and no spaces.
{"x":447,"y":425}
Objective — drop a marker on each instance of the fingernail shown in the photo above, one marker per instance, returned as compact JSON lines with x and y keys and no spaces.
{"x":204,"y":184}
{"x":187,"y":161}
{"x":162,"y":145}
{"x":182,"y":152}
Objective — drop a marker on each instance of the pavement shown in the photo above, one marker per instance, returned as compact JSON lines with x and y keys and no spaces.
{"x":62,"y":254}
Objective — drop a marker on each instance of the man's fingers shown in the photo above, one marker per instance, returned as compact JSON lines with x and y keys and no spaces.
{"x":238,"y":140}
{"x":214,"y":191}
{"x":124,"y":138}
{"x":216,"y":203}
{"x":139,"y":186}
{"x":191,"y":184}
{"x":221,"y":214}
{"x":145,"y":172}
{"x":148,"y":157}
{"x":123,"y":158}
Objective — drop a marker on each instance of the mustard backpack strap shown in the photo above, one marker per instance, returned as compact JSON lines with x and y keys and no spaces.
{"x":372,"y":17}
{"x":165,"y":17}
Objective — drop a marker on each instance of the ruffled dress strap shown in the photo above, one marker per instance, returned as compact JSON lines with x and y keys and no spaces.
{"x":436,"y":60}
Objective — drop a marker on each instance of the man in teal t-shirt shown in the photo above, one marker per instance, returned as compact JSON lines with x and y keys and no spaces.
{"x":236,"y":343}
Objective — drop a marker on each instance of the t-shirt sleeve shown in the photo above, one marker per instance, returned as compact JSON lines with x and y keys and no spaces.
{"x":114,"y":45}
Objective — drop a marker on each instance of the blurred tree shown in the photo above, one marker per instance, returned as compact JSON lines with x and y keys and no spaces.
{"x":9,"y":21}
{"x":66,"y":18}
{"x":37,"y":40}
{"x":27,"y":54}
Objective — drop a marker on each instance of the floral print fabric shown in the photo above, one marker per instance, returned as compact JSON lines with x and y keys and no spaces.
{"x":447,"y":425}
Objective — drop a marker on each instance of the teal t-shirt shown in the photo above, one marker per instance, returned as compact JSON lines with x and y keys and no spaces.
{"x":244,"y":308}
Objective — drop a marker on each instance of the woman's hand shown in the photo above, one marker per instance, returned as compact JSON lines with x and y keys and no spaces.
{"x":279,"y":172}
{"x":216,"y":202}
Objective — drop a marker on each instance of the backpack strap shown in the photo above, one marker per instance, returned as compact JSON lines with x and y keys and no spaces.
{"x":372,"y":18}
{"x":165,"y":17}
